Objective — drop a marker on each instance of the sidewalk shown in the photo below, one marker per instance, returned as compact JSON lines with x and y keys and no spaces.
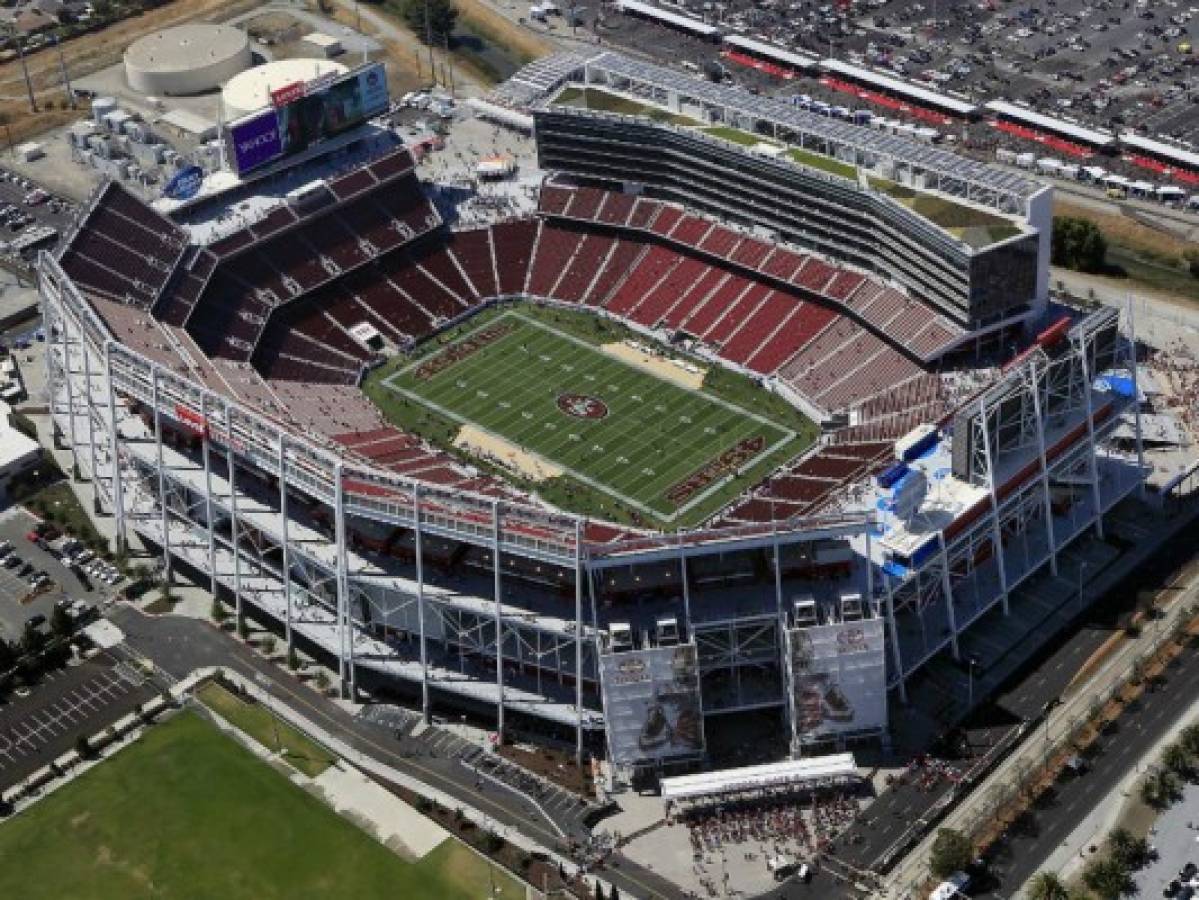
{"x":905,"y":882}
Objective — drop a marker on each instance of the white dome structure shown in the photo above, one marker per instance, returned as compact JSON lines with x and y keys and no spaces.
{"x":187,"y":59}
{"x":251,"y":90}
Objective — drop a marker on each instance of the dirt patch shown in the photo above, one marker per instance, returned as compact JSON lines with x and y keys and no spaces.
{"x":521,"y":41}
{"x":504,"y":453}
{"x":684,"y":374}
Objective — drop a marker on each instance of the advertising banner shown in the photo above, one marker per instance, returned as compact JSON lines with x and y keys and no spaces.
{"x":255,"y":141}
{"x":651,"y":704}
{"x":307,"y":113}
{"x":838,"y":679}
{"x":289,"y":93}
{"x":372,"y":85}
{"x":184,"y":184}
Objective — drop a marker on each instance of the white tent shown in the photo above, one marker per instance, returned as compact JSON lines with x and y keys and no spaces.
{"x":812,"y":770}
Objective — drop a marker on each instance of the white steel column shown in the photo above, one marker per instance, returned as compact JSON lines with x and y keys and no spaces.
{"x":162,"y":481}
{"x":1136,"y":398}
{"x":578,"y":642}
{"x":284,"y":545}
{"x":344,"y":676}
{"x":996,"y":533}
{"x":947,"y":590}
{"x":893,"y":628}
{"x":1086,"y":388}
{"x":234,"y":540}
{"x":1036,"y":405}
{"x":208,"y":508}
{"x":869,"y":568}
{"x":115,"y":448}
{"x":420,"y":602}
{"x":66,"y":377}
{"x":499,"y":624}
{"x":91,"y":422}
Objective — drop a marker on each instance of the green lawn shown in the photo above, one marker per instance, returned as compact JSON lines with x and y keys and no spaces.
{"x":803,"y":157}
{"x":976,"y":227}
{"x":187,"y":814}
{"x":594,"y":98}
{"x":652,"y":437}
{"x":257,"y":721}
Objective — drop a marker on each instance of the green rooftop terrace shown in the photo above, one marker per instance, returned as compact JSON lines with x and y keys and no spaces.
{"x":803,"y":157}
{"x":976,"y":227}
{"x":603,"y":101}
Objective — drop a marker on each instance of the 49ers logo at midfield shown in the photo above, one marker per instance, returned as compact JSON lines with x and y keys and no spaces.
{"x":582,"y":406}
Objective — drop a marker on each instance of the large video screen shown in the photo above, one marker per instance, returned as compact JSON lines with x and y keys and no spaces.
{"x":324,"y":108}
{"x":651,"y":704}
{"x":838,"y":679}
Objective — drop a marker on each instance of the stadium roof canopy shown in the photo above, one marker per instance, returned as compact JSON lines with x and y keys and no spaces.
{"x":813,"y":770}
{"x":1058,"y":126}
{"x":787,"y":57}
{"x":670,"y":18}
{"x":1166,"y":151}
{"x":906,"y":150}
{"x":895,"y":86}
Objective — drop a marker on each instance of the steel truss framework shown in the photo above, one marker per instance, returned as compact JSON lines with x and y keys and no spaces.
{"x":240,"y":509}
{"x":1034,"y":443}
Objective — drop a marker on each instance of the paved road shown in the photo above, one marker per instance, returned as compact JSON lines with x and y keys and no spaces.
{"x":1024,"y":850}
{"x":178,"y":646}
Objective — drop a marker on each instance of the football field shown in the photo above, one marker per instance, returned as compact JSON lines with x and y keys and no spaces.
{"x":647,"y":442}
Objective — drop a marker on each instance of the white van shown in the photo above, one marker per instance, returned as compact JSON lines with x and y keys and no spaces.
{"x":951,"y":888}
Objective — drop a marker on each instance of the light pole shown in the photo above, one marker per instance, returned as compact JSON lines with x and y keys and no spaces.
{"x":266,"y":685}
{"x":1082,"y":567}
{"x":971,"y":662}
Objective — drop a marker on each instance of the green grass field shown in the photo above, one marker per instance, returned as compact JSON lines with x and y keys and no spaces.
{"x":634,"y":442}
{"x":187,"y":813}
{"x":257,"y":721}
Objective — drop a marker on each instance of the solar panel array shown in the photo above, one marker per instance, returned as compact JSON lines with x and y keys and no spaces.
{"x":539,"y":78}
{"x":784,"y":114}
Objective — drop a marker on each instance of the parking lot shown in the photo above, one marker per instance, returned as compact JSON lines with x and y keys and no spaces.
{"x":79,"y":700}
{"x":53,"y":212}
{"x":15,"y":524}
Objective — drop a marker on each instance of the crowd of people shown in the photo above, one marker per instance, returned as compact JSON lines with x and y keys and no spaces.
{"x":804,"y":825}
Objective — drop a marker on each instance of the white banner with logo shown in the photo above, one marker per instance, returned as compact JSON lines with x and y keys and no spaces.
{"x":838,"y":679}
{"x":651,"y":704}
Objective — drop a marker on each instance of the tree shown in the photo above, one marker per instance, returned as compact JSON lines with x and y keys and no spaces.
{"x":1078,"y":244}
{"x":1189,"y":739}
{"x":1177,"y":760}
{"x":293,"y":661}
{"x":83,"y":746}
{"x":32,"y":641}
{"x":1126,"y":849}
{"x":1106,"y":877}
{"x":60,"y":622}
{"x":1047,"y":886}
{"x":951,"y":852}
{"x":432,"y":21}
{"x":219,"y":614}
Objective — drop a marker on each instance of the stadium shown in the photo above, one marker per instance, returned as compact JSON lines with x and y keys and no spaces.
{"x":614,"y":469}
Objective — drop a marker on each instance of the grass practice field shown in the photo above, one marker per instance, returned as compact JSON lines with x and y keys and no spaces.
{"x":668,"y":454}
{"x":188,"y":813}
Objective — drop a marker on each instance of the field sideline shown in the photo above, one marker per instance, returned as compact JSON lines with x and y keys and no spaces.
{"x":650,"y":445}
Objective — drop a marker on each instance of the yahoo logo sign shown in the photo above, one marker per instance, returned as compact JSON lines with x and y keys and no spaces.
{"x":256,"y":141}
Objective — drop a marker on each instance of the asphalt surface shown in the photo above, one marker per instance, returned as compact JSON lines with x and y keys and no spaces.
{"x":78,"y":700}
{"x":1022,"y":699}
{"x":1023,"y":851}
